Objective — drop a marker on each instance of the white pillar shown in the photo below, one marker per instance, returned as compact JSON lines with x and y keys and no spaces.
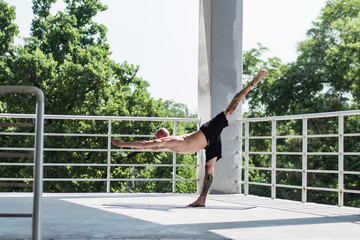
{"x":220,"y":77}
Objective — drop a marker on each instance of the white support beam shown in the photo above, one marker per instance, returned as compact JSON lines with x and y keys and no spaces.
{"x":220,"y":77}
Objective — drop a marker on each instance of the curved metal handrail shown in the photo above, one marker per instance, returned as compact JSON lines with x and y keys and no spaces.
{"x":39,"y":146}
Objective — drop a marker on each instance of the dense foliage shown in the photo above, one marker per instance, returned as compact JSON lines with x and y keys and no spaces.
{"x":324,"y":78}
{"x":67,"y":57}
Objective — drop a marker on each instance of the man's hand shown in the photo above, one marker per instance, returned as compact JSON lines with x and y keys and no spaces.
{"x":117,"y":142}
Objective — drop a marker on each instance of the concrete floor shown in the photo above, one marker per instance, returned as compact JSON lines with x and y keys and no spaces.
{"x":163,"y":216}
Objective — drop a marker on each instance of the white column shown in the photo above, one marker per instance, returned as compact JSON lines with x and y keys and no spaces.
{"x":220,"y":78}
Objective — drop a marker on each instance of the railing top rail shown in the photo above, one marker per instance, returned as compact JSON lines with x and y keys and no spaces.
{"x":23,"y":90}
{"x":299,"y":116}
{"x":94,"y":117}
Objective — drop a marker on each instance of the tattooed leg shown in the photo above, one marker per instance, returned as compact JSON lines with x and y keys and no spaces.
{"x":208,"y":179}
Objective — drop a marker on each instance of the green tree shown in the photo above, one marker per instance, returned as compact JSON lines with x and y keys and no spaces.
{"x":8,"y":30}
{"x":67,"y":57}
{"x":325,"y":75}
{"x":324,"y":78}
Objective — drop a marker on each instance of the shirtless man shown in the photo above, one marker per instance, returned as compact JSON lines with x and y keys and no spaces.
{"x":207,"y":137}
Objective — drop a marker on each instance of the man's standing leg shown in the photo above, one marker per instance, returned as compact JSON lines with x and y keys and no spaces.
{"x":208,"y":179}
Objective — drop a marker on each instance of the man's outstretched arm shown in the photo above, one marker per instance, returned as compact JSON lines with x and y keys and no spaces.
{"x":154,"y":145}
{"x":137,"y":144}
{"x":229,"y":111}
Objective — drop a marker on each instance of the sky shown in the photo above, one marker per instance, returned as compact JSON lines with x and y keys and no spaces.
{"x":161,"y":36}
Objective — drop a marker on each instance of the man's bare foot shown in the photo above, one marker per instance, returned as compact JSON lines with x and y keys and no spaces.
{"x":117,"y":142}
{"x":198,"y":203}
{"x":259,"y":77}
{"x":194,"y":204}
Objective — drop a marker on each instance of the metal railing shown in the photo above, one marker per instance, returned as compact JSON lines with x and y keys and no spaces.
{"x":38,"y":154}
{"x":108,"y":150}
{"x":340,"y":134}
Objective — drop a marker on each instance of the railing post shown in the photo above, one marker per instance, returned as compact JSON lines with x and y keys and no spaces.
{"x":304,"y":160}
{"x":200,"y":169}
{"x":239,"y":156}
{"x":246,"y":179}
{"x":38,"y":171}
{"x":174,"y":162}
{"x":38,"y":154}
{"x":273,"y":159}
{"x":341,"y":162}
{"x":108,"y":167}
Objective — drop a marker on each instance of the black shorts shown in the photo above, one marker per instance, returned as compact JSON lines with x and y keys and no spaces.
{"x":212,"y":131}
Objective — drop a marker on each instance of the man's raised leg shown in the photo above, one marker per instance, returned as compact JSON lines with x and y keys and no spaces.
{"x":229,"y":111}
